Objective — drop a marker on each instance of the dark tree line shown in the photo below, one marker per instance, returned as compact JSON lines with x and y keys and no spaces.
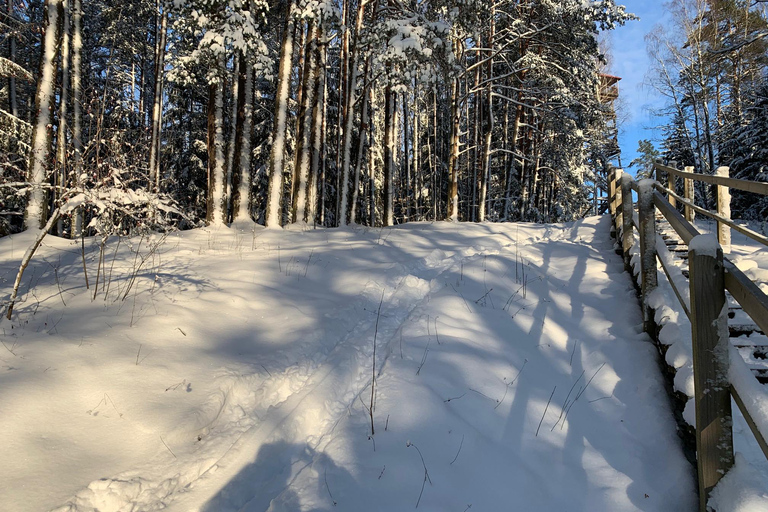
{"x":146,"y":114}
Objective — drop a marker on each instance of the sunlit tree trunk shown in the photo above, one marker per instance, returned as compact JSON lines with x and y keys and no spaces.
{"x":349,"y":116}
{"x":77,"y":108}
{"x":12,"y":101}
{"x":35,"y":216}
{"x":241,"y":181}
{"x":318,"y":128}
{"x":277,"y":156}
{"x":216,"y":205}
{"x":157,"y":106}
{"x":389,"y":156}
{"x":304,"y":143}
{"x":61,"y":131}
{"x":453,"y":160}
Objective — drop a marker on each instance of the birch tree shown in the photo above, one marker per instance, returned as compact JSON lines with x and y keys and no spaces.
{"x":40,"y":152}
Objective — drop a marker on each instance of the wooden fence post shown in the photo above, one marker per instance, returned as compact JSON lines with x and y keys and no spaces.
{"x":724,"y":210}
{"x":616,"y":200}
{"x":627,"y":236}
{"x":647,"y":228}
{"x":709,"y":328}
{"x":612,"y":199}
{"x":671,"y":185}
{"x":689,"y":195}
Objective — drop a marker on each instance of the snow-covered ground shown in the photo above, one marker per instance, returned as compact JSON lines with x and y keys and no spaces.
{"x":230,"y":369}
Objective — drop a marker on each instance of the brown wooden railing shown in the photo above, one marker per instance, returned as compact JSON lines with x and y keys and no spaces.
{"x":710,"y":276}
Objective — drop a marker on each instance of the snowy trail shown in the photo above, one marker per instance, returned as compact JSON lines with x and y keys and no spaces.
{"x":308,"y":415}
{"x":237,"y":376}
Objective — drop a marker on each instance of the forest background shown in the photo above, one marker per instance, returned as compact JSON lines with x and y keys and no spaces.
{"x":147,"y":114}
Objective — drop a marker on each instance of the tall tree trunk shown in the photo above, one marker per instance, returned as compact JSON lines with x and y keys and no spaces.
{"x":318,"y":128}
{"x":488,"y":128}
{"x":417,"y":176}
{"x":344,"y":91}
{"x":241,"y":182}
{"x":157,"y":106}
{"x":349,"y":117}
{"x":12,"y":100}
{"x":371,"y":178}
{"x":453,"y":160}
{"x":37,"y":205}
{"x":365,"y":129}
{"x":389,"y":156}
{"x":216,"y":206}
{"x":477,"y":112}
{"x":407,"y":191}
{"x":233,"y":145}
{"x":61,"y":132}
{"x":304,"y":142}
{"x":77,"y":108}
{"x":277,"y":156}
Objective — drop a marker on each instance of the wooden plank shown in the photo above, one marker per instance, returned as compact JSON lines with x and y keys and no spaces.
{"x":757,"y":237}
{"x":723,"y":210}
{"x":714,"y":437}
{"x":756,"y":187}
{"x":748,"y":294}
{"x":627,"y":213}
{"x":752,"y":426}
{"x":689,"y":194}
{"x":681,"y":226}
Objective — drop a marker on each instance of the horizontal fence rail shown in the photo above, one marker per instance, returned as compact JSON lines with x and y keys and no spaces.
{"x":704,"y":301}
{"x":756,"y":187}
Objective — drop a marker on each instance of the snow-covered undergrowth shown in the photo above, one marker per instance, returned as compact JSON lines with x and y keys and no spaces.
{"x":745,"y":489}
{"x":235,"y":374}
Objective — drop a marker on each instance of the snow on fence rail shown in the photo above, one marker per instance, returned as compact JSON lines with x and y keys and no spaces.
{"x":719,"y":371}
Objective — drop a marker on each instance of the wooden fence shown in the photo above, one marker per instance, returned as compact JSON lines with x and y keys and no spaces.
{"x":710,"y":275}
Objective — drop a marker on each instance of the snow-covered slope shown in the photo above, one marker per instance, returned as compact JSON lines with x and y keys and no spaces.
{"x":511,"y":372}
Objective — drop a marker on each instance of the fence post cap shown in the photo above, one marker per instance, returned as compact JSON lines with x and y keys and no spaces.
{"x":704,"y":244}
{"x":646,"y":185}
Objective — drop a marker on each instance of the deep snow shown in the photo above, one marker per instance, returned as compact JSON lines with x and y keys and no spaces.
{"x":512,"y":374}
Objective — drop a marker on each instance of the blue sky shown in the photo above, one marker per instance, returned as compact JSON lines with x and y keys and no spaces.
{"x":631,"y":63}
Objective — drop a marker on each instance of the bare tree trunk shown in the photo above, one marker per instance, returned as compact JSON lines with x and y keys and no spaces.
{"x":12,"y":101}
{"x":365,"y":129}
{"x":61,"y":132}
{"x":371,"y":180}
{"x":304,"y":142}
{"x":349,"y":116}
{"x":389,"y":156}
{"x":318,"y":129}
{"x":241,"y":182}
{"x":486,"y":173}
{"x":37,"y":205}
{"x":453,"y":160}
{"x":343,"y":103}
{"x":417,"y":176}
{"x":157,"y":106}
{"x":77,"y":108}
{"x":28,"y":257}
{"x":406,"y":187}
{"x":232,"y":145}
{"x":277,"y":156}
{"x":216,"y":207}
